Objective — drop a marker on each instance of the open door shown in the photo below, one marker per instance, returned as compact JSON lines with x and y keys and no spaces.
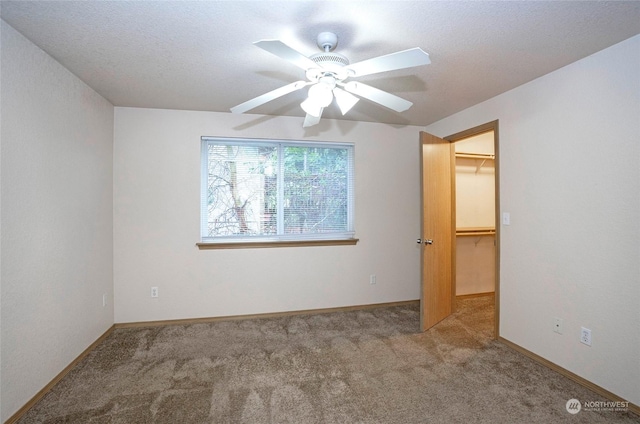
{"x":437,"y":238}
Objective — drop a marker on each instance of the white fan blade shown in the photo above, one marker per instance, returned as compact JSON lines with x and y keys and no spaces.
{"x":311,"y":120}
{"x":344,"y":100}
{"x":267,"y":97}
{"x":285,"y":52}
{"x":375,"y":95}
{"x":390,"y":62}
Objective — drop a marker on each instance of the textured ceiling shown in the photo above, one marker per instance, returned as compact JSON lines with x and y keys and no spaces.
{"x":199,"y":55}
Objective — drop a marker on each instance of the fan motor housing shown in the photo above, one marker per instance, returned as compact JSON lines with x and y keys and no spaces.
{"x":329,"y":58}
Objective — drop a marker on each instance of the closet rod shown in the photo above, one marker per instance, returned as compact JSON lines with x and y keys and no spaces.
{"x":475,"y":231}
{"x":475,"y":155}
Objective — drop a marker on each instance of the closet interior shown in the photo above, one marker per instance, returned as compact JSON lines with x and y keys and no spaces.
{"x":475,"y":215}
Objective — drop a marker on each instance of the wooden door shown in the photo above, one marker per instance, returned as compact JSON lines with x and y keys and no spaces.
{"x":437,"y":298}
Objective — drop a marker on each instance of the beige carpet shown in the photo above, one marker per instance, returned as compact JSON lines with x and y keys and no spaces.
{"x":368,"y":366}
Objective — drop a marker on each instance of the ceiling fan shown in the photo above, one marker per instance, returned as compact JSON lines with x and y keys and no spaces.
{"x":327,"y":74}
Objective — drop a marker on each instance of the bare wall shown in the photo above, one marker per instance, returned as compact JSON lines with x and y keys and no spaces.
{"x":56,"y":249}
{"x":570,"y":177}
{"x":157,"y":217}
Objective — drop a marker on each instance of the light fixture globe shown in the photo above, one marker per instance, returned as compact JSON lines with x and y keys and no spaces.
{"x":320,"y":96}
{"x":311,"y":107}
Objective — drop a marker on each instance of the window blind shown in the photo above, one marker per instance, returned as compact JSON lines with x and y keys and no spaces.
{"x":276,"y":190}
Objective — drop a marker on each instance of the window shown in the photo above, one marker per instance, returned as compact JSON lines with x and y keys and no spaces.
{"x":275,"y":191}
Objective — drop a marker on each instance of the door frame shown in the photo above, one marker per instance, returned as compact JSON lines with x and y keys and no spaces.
{"x":459,"y":136}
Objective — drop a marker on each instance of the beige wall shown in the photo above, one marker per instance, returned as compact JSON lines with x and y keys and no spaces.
{"x":475,"y":264}
{"x":157,"y":216}
{"x":56,"y":249}
{"x":570,"y":177}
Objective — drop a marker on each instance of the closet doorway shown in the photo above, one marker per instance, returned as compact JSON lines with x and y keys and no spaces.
{"x":463,"y":258}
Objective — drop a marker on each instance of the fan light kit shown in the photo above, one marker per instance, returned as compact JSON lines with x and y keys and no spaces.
{"x":327,"y":73}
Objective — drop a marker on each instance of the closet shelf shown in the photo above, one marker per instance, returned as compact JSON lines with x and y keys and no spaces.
{"x":475,"y":231}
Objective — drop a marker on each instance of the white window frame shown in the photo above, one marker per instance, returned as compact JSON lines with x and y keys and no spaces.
{"x":309,"y":239}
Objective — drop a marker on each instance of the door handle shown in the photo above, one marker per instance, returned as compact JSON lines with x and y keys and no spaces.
{"x":425,"y":241}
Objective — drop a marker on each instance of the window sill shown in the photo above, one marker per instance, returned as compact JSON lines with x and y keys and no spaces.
{"x":263,"y":244}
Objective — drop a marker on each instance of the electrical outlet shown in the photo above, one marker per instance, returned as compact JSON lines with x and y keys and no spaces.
{"x":557,"y":325}
{"x":585,"y":336}
{"x":372,"y":279}
{"x":154,"y":292}
{"x":104,"y":300}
